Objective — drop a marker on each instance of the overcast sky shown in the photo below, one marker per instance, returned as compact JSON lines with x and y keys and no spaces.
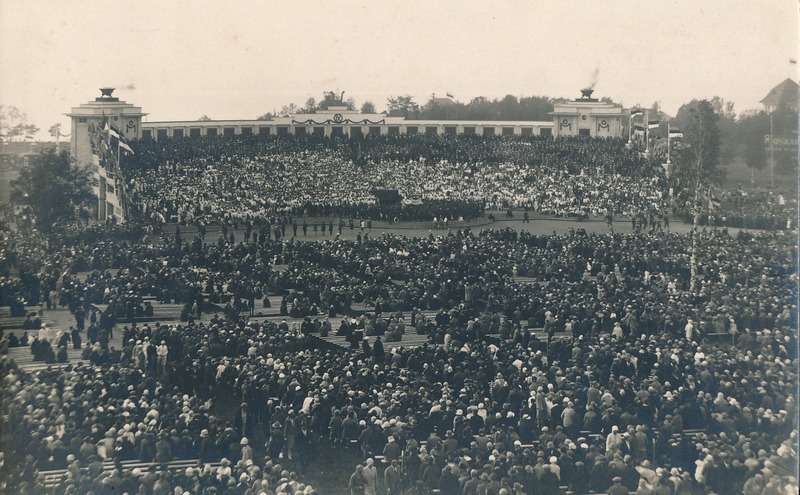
{"x":239,"y":59}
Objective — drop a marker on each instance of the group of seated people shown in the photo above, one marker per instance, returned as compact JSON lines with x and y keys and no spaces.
{"x":247,"y":178}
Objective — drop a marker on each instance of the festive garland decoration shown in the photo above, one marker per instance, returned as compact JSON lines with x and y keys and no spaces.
{"x":340,"y":121}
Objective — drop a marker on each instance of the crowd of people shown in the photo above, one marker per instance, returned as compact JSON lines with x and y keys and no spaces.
{"x":484,"y":403}
{"x":247,"y":178}
{"x":758,"y":210}
{"x":652,"y":362}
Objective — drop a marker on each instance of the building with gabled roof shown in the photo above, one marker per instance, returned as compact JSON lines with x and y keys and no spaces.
{"x":784,"y":95}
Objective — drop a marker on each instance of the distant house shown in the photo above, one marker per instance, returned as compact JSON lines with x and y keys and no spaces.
{"x":442,"y":101}
{"x":784,"y":95}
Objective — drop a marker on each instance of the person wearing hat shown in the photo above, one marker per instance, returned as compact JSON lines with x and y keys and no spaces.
{"x":224,"y":470}
{"x":548,"y":482}
{"x":205,"y":446}
{"x":161,"y":352}
{"x":163,"y":449}
{"x":617,"y":488}
{"x":393,"y":478}
{"x":370,"y":474}
{"x":247,"y":451}
{"x":357,"y":481}
{"x":614,"y":441}
{"x":392,"y":450}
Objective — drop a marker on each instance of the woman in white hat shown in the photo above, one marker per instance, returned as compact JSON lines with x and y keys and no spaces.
{"x":247,"y":451}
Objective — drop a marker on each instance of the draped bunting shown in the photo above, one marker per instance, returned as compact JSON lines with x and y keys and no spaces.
{"x":565,"y":123}
{"x":603,"y":124}
{"x":339,"y":121}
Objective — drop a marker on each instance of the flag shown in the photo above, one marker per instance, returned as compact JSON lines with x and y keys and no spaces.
{"x":675,"y":133}
{"x":125,"y":146}
{"x":653,"y":124}
{"x":636,"y":111}
{"x":713,"y":201}
{"x":122,"y":142}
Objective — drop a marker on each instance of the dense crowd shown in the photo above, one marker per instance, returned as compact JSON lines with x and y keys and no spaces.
{"x":652,"y":363}
{"x":251,"y":179}
{"x":485,"y":406}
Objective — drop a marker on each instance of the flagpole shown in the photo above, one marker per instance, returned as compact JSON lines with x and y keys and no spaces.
{"x":668,"y":141}
{"x":630,"y":127}
{"x":104,"y":177}
{"x":646,"y":131}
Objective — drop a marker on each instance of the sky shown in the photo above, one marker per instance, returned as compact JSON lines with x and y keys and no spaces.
{"x":180,"y":60}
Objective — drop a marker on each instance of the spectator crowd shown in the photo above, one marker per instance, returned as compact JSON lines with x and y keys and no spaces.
{"x":576,"y":362}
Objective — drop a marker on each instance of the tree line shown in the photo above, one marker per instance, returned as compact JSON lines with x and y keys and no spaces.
{"x":509,"y":107}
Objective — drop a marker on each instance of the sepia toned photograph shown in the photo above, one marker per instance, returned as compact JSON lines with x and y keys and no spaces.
{"x":523,"y":247}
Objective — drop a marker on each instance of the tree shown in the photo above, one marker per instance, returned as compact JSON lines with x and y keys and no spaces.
{"x":368,"y":107}
{"x":289,"y":109}
{"x":54,"y":188}
{"x":55,"y":131}
{"x":311,"y":105}
{"x":266,"y":116}
{"x":335,"y":99}
{"x":699,"y":158}
{"x":751,"y":130}
{"x":14,"y":124}
{"x":536,"y":108}
{"x":481,"y":108}
{"x":697,"y":163}
{"x":204,"y":118}
{"x":402,"y":106}
{"x":441,"y":108}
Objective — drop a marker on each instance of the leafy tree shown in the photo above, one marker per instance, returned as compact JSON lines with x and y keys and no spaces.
{"x":436,"y":109}
{"x":697,"y":163}
{"x":510,"y":107}
{"x":482,"y":108}
{"x":368,"y":107}
{"x":311,"y":105}
{"x":266,"y":116}
{"x":699,"y":157}
{"x":536,"y":108}
{"x":14,"y":125}
{"x":289,"y":109}
{"x":55,"y":189}
{"x":204,"y":118}
{"x":402,"y":106}
{"x":751,"y":129}
{"x":333,"y":99}
{"x":55,"y":131}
